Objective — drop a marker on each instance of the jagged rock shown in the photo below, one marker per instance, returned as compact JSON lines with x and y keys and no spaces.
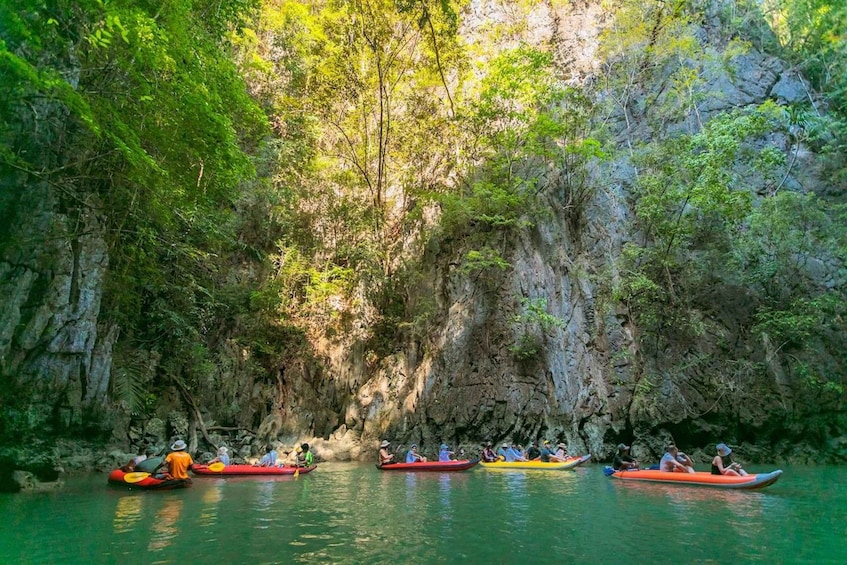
{"x":27,"y":482}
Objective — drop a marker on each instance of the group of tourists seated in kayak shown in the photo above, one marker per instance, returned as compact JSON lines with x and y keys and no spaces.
{"x":412,"y":455}
{"x":176,"y":464}
{"x":511,"y":452}
{"x":675,"y":461}
{"x":300,"y":457}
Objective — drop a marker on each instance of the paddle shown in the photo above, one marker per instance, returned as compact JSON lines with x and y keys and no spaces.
{"x":297,"y":472}
{"x":216,"y":467}
{"x":135,"y":477}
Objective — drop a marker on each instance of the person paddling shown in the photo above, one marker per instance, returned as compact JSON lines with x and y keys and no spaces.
{"x":178,"y":461}
{"x":444,"y":453}
{"x":412,"y":456}
{"x":722,"y":464}
{"x":623,"y":461}
{"x":305,"y":459}
{"x":385,"y":458}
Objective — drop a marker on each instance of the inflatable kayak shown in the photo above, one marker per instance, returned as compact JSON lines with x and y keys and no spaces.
{"x":461,"y":465}
{"x":118,"y":477}
{"x":245,"y":470}
{"x":569,"y":463}
{"x":702,"y":479}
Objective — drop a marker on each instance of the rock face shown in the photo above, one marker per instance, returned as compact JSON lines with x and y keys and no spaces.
{"x":52,"y":345}
{"x":491,"y":366}
{"x":577,"y":380}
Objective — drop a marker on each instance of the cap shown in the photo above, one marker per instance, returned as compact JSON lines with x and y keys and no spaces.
{"x":622,"y":447}
{"x":444,"y":446}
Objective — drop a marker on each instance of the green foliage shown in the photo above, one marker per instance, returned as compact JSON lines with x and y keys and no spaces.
{"x":792,"y":259}
{"x":483,"y":260}
{"x":134,"y":112}
{"x":693,"y":193}
{"x":533,"y":323}
{"x":811,"y":36}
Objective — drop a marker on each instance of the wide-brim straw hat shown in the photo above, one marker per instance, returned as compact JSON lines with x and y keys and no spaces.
{"x":385,"y":443}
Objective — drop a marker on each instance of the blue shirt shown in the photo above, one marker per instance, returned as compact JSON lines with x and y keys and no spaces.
{"x":444,"y":455}
{"x":224,"y":458}
{"x":411,"y":457}
{"x":512,"y":454}
{"x":269,"y":460}
{"x":666,"y":464}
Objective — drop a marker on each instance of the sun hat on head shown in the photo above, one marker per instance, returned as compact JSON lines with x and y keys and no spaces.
{"x":444,"y":446}
{"x":385,"y":443}
{"x":178,"y":445}
{"x":413,"y":446}
{"x":505,"y":444}
{"x":222,"y":449}
{"x":723,"y":449}
{"x":622,"y":447}
{"x":562,"y":445}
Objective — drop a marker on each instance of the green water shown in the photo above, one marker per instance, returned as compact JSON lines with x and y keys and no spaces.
{"x":353,"y":513}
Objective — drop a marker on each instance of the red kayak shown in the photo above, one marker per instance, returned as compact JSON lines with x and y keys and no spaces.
{"x":460,"y":465}
{"x":119,"y":477}
{"x":243,"y":470}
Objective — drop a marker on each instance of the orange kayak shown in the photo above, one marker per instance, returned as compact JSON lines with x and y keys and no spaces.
{"x":702,"y":479}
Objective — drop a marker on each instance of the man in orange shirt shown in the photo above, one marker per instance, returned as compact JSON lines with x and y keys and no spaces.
{"x":178,"y":461}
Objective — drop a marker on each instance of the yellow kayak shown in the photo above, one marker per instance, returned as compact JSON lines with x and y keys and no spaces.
{"x":569,"y":463}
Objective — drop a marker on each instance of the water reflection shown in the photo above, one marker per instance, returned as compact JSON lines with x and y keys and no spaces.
{"x":264,"y":504}
{"x":127,"y":513}
{"x":165,"y":526}
{"x":444,"y":498}
{"x":516,"y":494}
{"x":211,"y":500}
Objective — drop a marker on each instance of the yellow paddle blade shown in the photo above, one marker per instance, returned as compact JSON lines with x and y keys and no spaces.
{"x":297,"y":472}
{"x":217,"y":467}
{"x":135,"y":477}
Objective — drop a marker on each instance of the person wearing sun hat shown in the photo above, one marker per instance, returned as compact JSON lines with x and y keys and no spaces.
{"x":385,"y":458}
{"x":623,"y":461}
{"x":178,"y":460}
{"x":722,"y":464}
{"x":412,"y":456}
{"x":561,"y":453}
{"x":444,"y":453}
{"x":223,"y":456}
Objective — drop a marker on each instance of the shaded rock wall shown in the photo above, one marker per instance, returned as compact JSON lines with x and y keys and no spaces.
{"x":464,"y":384}
{"x":52,"y":343}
